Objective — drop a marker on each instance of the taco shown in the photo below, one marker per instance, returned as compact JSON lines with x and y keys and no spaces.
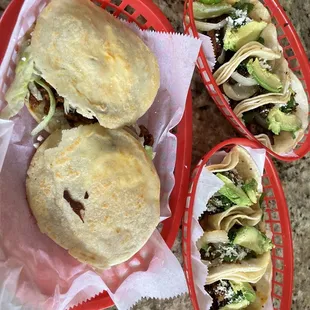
{"x":234,"y":245}
{"x":241,"y":189}
{"x":80,"y":65}
{"x":95,"y":192}
{"x":252,"y":72}
{"x":239,"y":265}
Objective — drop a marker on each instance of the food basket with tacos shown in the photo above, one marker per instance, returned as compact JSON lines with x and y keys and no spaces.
{"x":236,"y":242}
{"x":259,"y":80}
{"x":89,"y":126}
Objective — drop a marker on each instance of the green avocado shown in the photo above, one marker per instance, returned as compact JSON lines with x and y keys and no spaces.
{"x":235,"y":38}
{"x":251,"y":238}
{"x":264,"y":78}
{"x":234,"y":193}
{"x":210,"y":1}
{"x":246,"y":289}
{"x":202,"y":11}
{"x":244,"y":299}
{"x":279,"y":121}
{"x":236,"y":305}
{"x":250,"y":188}
{"x":149,"y":152}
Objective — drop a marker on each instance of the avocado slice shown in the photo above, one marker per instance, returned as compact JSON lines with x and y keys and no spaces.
{"x":251,"y":238}
{"x":264,"y":78}
{"x":236,"y":305}
{"x":235,"y":38}
{"x":246,"y":289}
{"x":244,"y":299}
{"x":279,"y":121}
{"x":202,"y":11}
{"x":233,"y":193}
{"x":210,"y":1}
{"x":250,"y":188}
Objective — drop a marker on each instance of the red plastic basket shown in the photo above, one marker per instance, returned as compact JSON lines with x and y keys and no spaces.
{"x":293,"y":52}
{"x":277,"y":220}
{"x":147,"y":16}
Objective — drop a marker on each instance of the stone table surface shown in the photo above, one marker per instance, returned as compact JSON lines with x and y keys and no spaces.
{"x":210,"y":128}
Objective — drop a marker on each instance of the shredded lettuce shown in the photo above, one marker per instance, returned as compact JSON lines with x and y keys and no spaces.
{"x":149,"y":152}
{"x":17,"y":92}
{"x":51,"y":111}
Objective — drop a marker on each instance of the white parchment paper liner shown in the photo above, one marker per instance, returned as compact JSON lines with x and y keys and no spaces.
{"x":208,"y":185}
{"x":35,"y":273}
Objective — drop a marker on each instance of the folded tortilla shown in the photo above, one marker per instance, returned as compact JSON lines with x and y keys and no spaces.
{"x":251,"y":270}
{"x":233,"y":216}
{"x":284,"y":142}
{"x":257,"y":271}
{"x":272,"y":51}
{"x":93,"y":60}
{"x":95,"y":192}
{"x":240,"y":159}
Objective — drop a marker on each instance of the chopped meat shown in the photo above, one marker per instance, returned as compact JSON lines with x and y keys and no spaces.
{"x":148,"y":138}
{"x":59,"y":104}
{"x":242,"y":69}
{"x":33,"y":102}
{"x":77,"y":207}
{"x":72,"y":117}
{"x":214,"y":35}
{"x":256,"y":129}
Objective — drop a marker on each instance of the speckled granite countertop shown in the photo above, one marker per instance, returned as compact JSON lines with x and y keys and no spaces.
{"x":210,"y":127}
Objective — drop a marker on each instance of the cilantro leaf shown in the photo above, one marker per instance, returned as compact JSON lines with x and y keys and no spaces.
{"x":244,"y":6}
{"x":290,"y":106}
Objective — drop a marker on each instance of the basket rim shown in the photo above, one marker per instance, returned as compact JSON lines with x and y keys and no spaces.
{"x":304,"y":67}
{"x":288,"y":256}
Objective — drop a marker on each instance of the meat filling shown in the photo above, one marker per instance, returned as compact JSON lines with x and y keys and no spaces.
{"x":256,"y":121}
{"x":74,"y":119}
{"x":148,"y":138}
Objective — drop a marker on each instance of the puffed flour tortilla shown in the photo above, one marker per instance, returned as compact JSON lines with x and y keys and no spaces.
{"x":93,"y":60}
{"x":109,"y":174}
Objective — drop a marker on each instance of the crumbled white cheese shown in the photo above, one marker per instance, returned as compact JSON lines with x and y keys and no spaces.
{"x":264,"y":64}
{"x":23,"y":58}
{"x":239,"y":253}
{"x":211,"y":208}
{"x":36,"y":145}
{"x":241,"y":19}
{"x":40,"y":138}
{"x":224,"y":289}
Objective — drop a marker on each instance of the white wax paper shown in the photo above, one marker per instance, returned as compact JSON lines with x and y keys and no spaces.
{"x":208,"y":185}
{"x":208,"y":50}
{"x":35,"y":273}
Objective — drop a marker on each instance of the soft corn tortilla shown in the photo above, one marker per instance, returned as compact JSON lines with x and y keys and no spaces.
{"x":251,"y":270}
{"x":101,"y":67}
{"x":284,"y":142}
{"x":259,"y":12}
{"x":109,"y":173}
{"x":240,"y":159}
{"x":251,"y":49}
{"x":233,"y":216}
{"x":263,"y":290}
